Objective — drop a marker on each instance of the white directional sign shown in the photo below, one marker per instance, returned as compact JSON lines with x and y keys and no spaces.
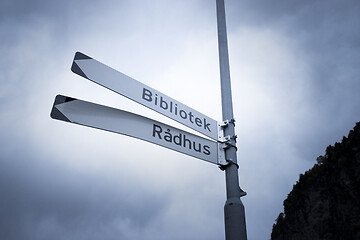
{"x":126,"y":123}
{"x":120,"y":83}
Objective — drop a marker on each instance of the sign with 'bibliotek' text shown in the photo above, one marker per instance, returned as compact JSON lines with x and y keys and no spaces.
{"x":118,"y":82}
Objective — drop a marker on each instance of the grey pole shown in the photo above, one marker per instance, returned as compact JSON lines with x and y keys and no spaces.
{"x":234,"y":212}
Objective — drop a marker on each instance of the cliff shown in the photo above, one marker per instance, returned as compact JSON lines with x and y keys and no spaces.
{"x":325,"y":201}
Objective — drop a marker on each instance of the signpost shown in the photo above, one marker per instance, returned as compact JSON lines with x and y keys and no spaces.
{"x":220,"y":149}
{"x":235,"y":225}
{"x":118,"y":121}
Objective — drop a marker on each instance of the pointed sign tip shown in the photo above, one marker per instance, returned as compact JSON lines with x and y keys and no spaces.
{"x":76,"y":69}
{"x":55,"y":113}
{"x":81,"y":56}
{"x":59,"y":99}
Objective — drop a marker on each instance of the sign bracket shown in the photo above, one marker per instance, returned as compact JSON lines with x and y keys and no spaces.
{"x":227,"y":122}
{"x":224,"y":142}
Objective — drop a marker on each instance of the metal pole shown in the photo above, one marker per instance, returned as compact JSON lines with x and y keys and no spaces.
{"x":234,"y":212}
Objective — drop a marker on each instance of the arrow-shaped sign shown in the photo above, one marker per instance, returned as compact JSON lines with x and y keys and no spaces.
{"x":114,"y":120}
{"x":118,"y":82}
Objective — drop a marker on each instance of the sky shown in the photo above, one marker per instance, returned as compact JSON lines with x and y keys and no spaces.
{"x":295,"y":88}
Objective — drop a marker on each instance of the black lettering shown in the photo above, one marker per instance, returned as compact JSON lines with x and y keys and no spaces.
{"x":163,"y":104}
{"x":198,"y":122}
{"x":206,"y":125}
{"x":168,"y":136}
{"x":187,"y":141}
{"x":172,"y":108}
{"x":183,"y":114}
{"x":206,"y":150}
{"x":178,"y":139}
{"x":156,"y":98}
{"x":194,"y":146}
{"x":157,"y":130}
{"x":147,"y":95}
{"x":190,"y":117}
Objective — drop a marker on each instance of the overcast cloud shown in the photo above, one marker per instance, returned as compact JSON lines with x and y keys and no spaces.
{"x":295,"y":83}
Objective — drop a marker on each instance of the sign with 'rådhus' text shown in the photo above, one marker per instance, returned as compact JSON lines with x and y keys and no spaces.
{"x":118,"y":121}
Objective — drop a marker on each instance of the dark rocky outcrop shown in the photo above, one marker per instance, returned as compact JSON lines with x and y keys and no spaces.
{"x":325,"y":201}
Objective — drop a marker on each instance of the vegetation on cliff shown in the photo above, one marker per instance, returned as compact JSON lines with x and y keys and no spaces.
{"x":325,"y":201}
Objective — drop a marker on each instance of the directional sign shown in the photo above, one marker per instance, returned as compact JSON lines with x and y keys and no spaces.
{"x":120,"y":83}
{"x":114,"y":120}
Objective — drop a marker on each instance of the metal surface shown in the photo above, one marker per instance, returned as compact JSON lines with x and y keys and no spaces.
{"x":221,"y":149}
{"x":234,"y":212}
{"x":133,"y":125}
{"x":120,"y":83}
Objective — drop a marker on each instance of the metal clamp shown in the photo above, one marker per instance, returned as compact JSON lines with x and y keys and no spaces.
{"x":227,"y":138}
{"x":221,"y":155}
{"x":227,"y":122}
{"x":222,"y":161}
{"x":224,"y":142}
{"x":228,"y":163}
{"x":228,"y":144}
{"x":221,"y":135}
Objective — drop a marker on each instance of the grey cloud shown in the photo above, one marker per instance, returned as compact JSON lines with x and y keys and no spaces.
{"x":41,"y":199}
{"x":45,"y":199}
{"x":326,"y":36}
{"x":23,"y":11}
{"x":323,"y":36}
{"x":325,"y":30}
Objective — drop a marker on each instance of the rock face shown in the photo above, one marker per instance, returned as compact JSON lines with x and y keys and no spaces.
{"x":325,"y":201}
